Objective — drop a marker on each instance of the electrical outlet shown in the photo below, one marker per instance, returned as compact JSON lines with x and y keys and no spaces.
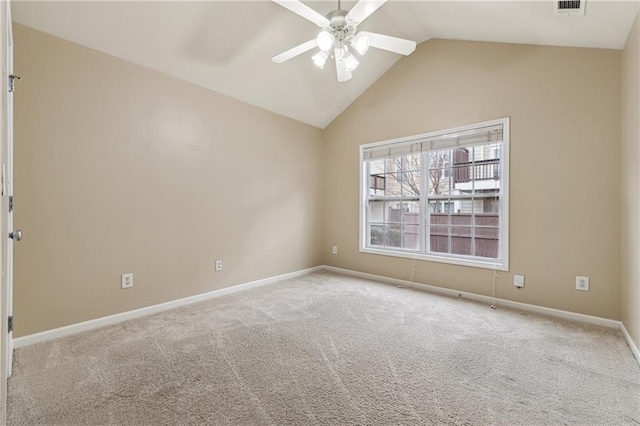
{"x":218,"y":265}
{"x":582,"y":283}
{"x":334,"y":250}
{"x":126,"y":280}
{"x":518,"y":281}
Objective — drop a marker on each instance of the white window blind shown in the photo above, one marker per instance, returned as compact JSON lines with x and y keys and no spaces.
{"x":479,"y":136}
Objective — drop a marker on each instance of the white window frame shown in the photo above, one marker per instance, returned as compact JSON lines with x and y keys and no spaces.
{"x":501,"y":264}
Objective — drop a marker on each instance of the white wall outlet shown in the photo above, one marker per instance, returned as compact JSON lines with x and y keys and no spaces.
{"x":334,"y":250}
{"x":218,"y":265}
{"x":126,"y":280}
{"x":582,"y":283}
{"x":518,"y":281}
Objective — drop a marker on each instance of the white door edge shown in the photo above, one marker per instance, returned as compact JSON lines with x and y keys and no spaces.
{"x":6,"y":135}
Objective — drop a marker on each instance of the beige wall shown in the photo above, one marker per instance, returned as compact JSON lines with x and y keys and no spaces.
{"x":123,"y":169}
{"x":564,"y":105}
{"x":631,"y":183}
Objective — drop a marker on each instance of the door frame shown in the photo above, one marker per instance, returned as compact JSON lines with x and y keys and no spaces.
{"x":6,"y":164}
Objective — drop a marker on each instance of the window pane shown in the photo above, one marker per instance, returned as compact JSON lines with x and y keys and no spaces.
{"x":402,"y":211}
{"x":491,"y":205}
{"x":393,"y":210}
{"x":411,"y":212}
{"x":393,"y":187}
{"x":486,"y":176}
{"x":438,"y":227}
{"x":469,"y":206}
{"x":376,"y":167}
{"x":439,"y":239}
{"x":394,"y":236}
{"x":378,"y":234}
{"x":377,"y":178}
{"x":377,"y":184}
{"x":412,"y":162}
{"x":487,"y":233}
{"x":438,"y":182}
{"x":403,"y":175}
{"x":487,"y":219}
{"x":411,"y":237}
{"x":406,"y":163}
{"x":487,"y":247}
{"x":391,"y":165}
{"x":461,"y":245}
{"x":461,"y":231}
{"x":411,"y":184}
{"x":439,"y":173}
{"x":460,"y":165}
{"x":376,"y":212}
{"x":461,"y":239}
{"x":476,"y":169}
{"x":461,"y":219}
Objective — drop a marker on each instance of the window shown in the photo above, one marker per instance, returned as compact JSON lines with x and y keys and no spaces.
{"x":439,"y":196}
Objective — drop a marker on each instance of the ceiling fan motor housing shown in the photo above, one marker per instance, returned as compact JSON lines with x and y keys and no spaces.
{"x":339,"y":27}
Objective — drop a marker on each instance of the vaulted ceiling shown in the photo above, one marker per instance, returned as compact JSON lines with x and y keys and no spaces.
{"x":226,"y":46}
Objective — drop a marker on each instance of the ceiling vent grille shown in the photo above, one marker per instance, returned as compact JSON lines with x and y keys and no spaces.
{"x":570,"y":7}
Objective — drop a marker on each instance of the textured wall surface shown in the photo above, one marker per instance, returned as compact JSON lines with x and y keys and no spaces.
{"x":123,"y":169}
{"x":565,"y":109}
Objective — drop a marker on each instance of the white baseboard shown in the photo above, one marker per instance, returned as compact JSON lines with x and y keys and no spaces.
{"x":480,"y":298}
{"x":69,"y":330}
{"x":630,"y":342}
{"x":116,"y":318}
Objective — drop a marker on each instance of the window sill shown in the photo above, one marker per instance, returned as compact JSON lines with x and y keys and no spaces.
{"x":461,"y":261}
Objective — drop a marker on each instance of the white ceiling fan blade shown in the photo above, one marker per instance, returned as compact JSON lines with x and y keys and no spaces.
{"x":295,"y":51}
{"x":392,"y":44}
{"x":363,"y":9}
{"x":341,"y":68}
{"x":305,"y":11}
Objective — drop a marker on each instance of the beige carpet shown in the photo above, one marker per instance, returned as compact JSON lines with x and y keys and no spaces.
{"x":328,"y":349}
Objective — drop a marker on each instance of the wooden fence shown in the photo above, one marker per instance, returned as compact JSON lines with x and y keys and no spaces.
{"x":459,"y":234}
{"x":453,"y":237}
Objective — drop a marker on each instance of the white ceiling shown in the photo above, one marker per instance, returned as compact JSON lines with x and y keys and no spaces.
{"x":226,"y":46}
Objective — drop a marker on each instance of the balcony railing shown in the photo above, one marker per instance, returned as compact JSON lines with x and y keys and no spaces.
{"x":476,"y":170}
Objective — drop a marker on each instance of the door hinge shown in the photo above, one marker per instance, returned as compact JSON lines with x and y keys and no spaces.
{"x":10,"y":203}
{"x":12,"y":82}
{"x":10,"y":323}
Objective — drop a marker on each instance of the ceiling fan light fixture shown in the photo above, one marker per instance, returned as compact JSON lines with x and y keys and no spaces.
{"x":360,"y":43}
{"x":339,"y":31}
{"x":325,"y":40}
{"x":350,"y":61}
{"x":320,"y":58}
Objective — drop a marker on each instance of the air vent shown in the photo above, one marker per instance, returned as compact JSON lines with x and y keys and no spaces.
{"x":570,"y":7}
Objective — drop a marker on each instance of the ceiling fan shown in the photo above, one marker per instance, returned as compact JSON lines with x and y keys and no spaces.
{"x":339,"y":30}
